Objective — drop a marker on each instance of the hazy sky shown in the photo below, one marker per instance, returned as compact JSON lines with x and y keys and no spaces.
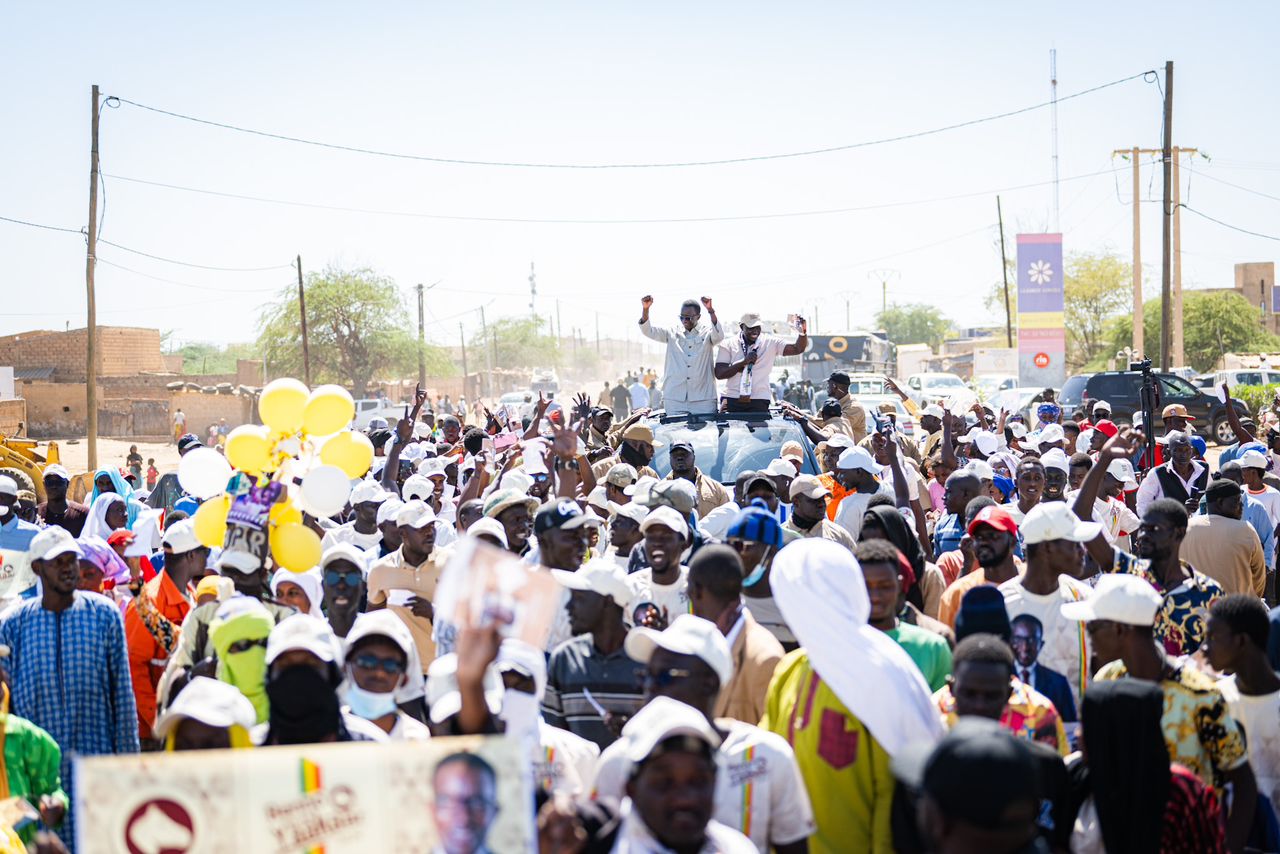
{"x":593,"y":83}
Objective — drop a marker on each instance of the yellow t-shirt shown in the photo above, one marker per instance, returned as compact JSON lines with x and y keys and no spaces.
{"x":845,"y":770}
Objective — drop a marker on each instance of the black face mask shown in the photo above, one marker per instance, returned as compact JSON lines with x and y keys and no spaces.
{"x":304,"y":707}
{"x":802,"y":523}
{"x":631,"y":456}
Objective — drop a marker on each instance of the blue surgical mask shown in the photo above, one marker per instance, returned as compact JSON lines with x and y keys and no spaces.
{"x":756,"y":574}
{"x":367,"y":704}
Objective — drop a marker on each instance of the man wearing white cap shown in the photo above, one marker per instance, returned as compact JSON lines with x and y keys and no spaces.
{"x":758,"y":790}
{"x":1117,"y":520}
{"x":1253,"y":468}
{"x":15,"y":538}
{"x":381,"y":672}
{"x":207,"y":715}
{"x":746,"y":360}
{"x":153,"y":618}
{"x":671,"y":792}
{"x":1053,"y":537}
{"x":1198,"y":728}
{"x":56,"y":509}
{"x":68,"y":663}
{"x":688,"y":376}
{"x":857,"y":473}
{"x":809,"y":513}
{"x":660,"y":590}
{"x":362,"y":530}
{"x":405,"y":580}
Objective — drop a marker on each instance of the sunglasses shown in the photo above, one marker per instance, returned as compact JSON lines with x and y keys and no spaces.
{"x":369,"y":661}
{"x":245,"y":645}
{"x":351,"y":577}
{"x":666,"y":678}
{"x":539,"y":478}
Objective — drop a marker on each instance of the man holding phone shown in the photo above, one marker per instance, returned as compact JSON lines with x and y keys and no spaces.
{"x":746,"y":360}
{"x":688,"y":380}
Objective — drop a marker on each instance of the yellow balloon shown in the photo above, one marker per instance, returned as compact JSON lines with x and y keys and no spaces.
{"x":248,"y":448}
{"x":210,"y":521}
{"x":350,"y":451}
{"x":284,"y":513}
{"x":329,"y":409}
{"x":294,"y":547}
{"x":282,"y":403}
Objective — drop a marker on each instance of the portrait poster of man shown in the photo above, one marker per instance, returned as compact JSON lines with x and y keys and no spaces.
{"x":466,"y":795}
{"x":1027,"y":641}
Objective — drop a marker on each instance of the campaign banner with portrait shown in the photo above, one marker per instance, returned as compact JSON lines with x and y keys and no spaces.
{"x":354,"y":797}
{"x":1042,"y":335}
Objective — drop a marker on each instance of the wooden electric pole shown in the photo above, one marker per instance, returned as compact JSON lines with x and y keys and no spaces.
{"x":488,"y":354}
{"x":302,"y":313}
{"x":1139,"y":344}
{"x":1166,"y":265}
{"x":1004,"y":271}
{"x":462,"y":338}
{"x":91,"y":331}
{"x":422,"y":343}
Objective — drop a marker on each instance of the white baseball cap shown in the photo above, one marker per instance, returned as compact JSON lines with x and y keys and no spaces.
{"x":858,"y":458}
{"x":51,"y":542}
{"x":1018,"y":429}
{"x":660,"y":719}
{"x":1051,"y":433}
{"x":387,"y":510}
{"x":443,"y":698}
{"x":57,"y":471}
{"x":305,"y":632}
{"x":1056,"y":459}
{"x":632,"y":510}
{"x":780,"y":467}
{"x":687,"y":635}
{"x":348,"y":552}
{"x":1055,"y":520}
{"x":933,"y":409}
{"x":368,"y":490}
{"x":981,"y":469}
{"x":1252,"y":460}
{"x":492,"y":527}
{"x":1101,"y":404}
{"x":211,"y":702}
{"x":666,"y":517}
{"x":599,"y":575}
{"x":417,"y":486}
{"x":1122,"y":470}
{"x":1120,"y":598}
{"x":598,"y":498}
{"x":181,"y":537}
{"x":415,"y":514}
{"x":840,"y":440}
{"x":984,"y":440}
{"x":8,"y":486}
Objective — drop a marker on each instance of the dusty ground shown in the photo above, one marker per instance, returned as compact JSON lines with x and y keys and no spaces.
{"x":75,"y":454}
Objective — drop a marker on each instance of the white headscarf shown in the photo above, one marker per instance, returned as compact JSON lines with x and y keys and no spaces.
{"x":96,"y":523}
{"x":311,"y":582}
{"x":818,"y":586}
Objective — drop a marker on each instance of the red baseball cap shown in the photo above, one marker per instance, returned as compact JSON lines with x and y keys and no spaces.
{"x":994,"y":517}
{"x":1107,"y":428}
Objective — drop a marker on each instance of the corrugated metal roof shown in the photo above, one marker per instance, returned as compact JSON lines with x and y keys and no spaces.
{"x":29,"y":374}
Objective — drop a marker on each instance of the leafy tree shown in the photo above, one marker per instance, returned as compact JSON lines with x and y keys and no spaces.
{"x":520,"y":342}
{"x":358,"y":328}
{"x":914,"y":324}
{"x":1213,"y":323}
{"x":1098,"y":286}
{"x":204,"y":358}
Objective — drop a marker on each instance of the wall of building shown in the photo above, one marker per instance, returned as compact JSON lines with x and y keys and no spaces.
{"x":54,"y":409}
{"x":122,"y":350}
{"x":13,"y":417}
{"x":205,"y":409}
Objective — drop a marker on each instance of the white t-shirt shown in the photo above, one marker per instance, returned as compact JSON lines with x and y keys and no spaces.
{"x":1269,"y":498}
{"x":348,"y":534}
{"x":672,"y":599}
{"x":1260,"y":717}
{"x":913,"y":481}
{"x":1066,"y":647}
{"x":563,"y":760}
{"x":408,"y":729}
{"x":639,"y":395}
{"x":854,"y":506}
{"x":767,"y":348}
{"x":759,"y":790}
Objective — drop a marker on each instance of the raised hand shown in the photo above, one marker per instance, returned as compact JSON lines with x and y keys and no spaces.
{"x":706,"y":303}
{"x":1121,"y":446}
{"x":646,"y":302}
{"x":543,"y":403}
{"x":565,"y":442}
{"x":419,"y":395}
{"x":802,"y":325}
{"x":582,"y":406}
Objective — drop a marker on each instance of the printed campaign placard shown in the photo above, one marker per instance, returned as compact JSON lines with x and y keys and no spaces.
{"x":335,"y":798}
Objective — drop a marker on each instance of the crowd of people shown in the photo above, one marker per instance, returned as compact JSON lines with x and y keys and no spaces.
{"x":1008,"y":635}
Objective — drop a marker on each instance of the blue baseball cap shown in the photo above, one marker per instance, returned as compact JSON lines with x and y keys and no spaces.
{"x":757,"y":525}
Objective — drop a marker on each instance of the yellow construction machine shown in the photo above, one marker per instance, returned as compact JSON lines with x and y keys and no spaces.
{"x":20,"y":460}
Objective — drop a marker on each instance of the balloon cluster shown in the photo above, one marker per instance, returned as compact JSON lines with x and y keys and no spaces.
{"x":304,"y":444}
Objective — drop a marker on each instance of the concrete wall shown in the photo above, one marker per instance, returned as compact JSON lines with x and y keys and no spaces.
{"x":205,"y":409}
{"x":122,"y":351}
{"x":13,"y":417}
{"x":1256,"y":281}
{"x":54,"y":409}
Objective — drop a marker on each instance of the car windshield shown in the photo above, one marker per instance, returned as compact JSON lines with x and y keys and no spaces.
{"x":942,"y":382}
{"x":866,"y":386}
{"x":726,"y":449}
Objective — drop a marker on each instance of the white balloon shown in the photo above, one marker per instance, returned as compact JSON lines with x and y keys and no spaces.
{"x":325,"y":490}
{"x":204,"y":473}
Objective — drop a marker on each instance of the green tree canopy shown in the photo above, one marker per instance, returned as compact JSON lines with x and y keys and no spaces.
{"x":358,"y":330}
{"x":520,"y":342}
{"x":1213,"y":323}
{"x":1098,"y":286}
{"x":914,"y":323}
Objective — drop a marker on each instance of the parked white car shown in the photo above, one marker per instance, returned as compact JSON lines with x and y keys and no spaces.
{"x":369,"y":408}
{"x":948,"y":388}
{"x":1246,"y":376}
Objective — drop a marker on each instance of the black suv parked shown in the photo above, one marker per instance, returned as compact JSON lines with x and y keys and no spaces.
{"x":1121,"y":388}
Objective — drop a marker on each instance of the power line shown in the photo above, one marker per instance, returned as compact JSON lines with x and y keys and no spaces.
{"x":214,"y":288}
{"x":30,"y":224}
{"x":197,"y":266}
{"x":653,"y":221}
{"x":720,"y":162}
{"x":1239,"y":187}
{"x":1230,"y":226}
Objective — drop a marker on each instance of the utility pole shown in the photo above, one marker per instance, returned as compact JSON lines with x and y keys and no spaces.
{"x":1166,"y":266}
{"x":1139,"y":344}
{"x":462,"y":338}
{"x":1004,"y":271}
{"x":91,"y":332}
{"x":1053,"y":112}
{"x":559,"y":324}
{"x":488,"y":364}
{"x":422,"y":342}
{"x":1178,"y":355}
{"x":848,"y":324}
{"x":302,"y":311}
{"x":598,"y":351}
{"x":883,"y":276}
{"x":533,"y":291}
